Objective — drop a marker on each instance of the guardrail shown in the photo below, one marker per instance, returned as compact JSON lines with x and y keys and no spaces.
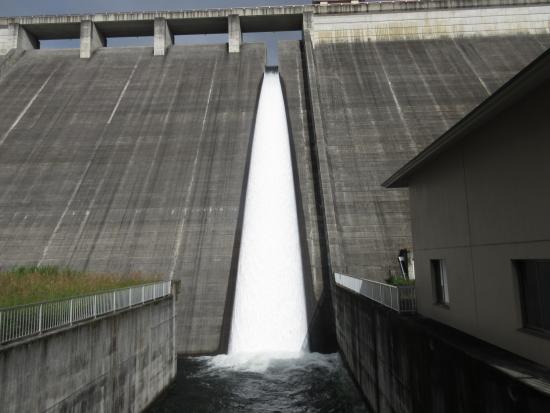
{"x":28,"y":320}
{"x":401,"y":299}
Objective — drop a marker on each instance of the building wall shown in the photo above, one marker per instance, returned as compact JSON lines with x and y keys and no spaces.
{"x":119,"y":363}
{"x":480,"y":206}
{"x":431,"y":24}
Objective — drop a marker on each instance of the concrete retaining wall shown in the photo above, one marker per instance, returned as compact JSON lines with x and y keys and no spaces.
{"x":414,"y":365}
{"x":119,"y":363}
{"x":431,"y":24}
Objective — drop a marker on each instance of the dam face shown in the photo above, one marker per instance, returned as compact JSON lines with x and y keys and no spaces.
{"x":128,"y":161}
{"x":131,"y":163}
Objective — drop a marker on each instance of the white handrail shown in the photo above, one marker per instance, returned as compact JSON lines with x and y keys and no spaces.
{"x":398,"y":298}
{"x":27,"y":320}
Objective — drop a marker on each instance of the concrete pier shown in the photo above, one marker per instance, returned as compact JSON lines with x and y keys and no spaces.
{"x":164,"y":38}
{"x":17,"y":37}
{"x":235,"y":34}
{"x":90,"y":39}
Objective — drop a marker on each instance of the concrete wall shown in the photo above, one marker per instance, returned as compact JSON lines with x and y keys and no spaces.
{"x":130,"y":162}
{"x":119,"y":363}
{"x":378,"y":104}
{"x":415,"y":365}
{"x":478,"y":207}
{"x":432,"y":24}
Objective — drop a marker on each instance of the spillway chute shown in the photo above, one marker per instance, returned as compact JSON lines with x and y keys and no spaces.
{"x":269,"y":314}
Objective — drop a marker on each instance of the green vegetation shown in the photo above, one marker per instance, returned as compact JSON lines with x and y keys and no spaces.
{"x":25,"y":285}
{"x":399,"y":281}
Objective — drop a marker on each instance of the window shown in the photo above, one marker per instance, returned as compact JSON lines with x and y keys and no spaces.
{"x":534,"y":285}
{"x":440,"y":283}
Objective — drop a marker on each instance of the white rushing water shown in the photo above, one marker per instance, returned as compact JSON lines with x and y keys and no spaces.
{"x":269,"y":314}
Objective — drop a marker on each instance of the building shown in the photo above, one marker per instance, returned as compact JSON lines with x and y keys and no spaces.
{"x":480,"y":204}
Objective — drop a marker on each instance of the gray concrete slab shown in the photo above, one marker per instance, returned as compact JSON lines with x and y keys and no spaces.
{"x":129,"y":162}
{"x":383,"y":102}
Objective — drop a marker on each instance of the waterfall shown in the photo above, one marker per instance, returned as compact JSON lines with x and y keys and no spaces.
{"x":269,"y":314}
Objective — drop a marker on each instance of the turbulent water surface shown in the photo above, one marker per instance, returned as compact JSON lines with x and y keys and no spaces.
{"x":306,"y":383}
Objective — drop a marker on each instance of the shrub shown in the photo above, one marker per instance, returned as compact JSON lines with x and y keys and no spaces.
{"x":399,"y":281}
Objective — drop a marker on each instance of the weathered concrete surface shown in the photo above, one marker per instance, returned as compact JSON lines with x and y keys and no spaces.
{"x":6,"y":40}
{"x":163,"y":37}
{"x":316,"y":274}
{"x":15,"y":36}
{"x":119,"y":363}
{"x":335,"y":21}
{"x":130,"y":162}
{"x":415,"y":365}
{"x":475,"y":20}
{"x":235,"y":34}
{"x":381,"y":103}
{"x":8,"y":61}
{"x":90,"y":39}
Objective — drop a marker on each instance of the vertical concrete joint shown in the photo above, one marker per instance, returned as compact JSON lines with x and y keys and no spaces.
{"x":163,"y":37}
{"x":21,"y":38}
{"x":235,"y":34}
{"x":91,"y":39}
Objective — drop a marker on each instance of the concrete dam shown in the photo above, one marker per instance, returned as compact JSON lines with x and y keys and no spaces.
{"x":136,"y":159}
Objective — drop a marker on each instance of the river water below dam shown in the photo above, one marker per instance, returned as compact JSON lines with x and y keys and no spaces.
{"x":309,"y":383}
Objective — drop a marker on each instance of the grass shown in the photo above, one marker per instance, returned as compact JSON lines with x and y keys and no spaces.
{"x":399,"y":281}
{"x":30,"y":284}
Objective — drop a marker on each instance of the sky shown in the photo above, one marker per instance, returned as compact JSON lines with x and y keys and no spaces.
{"x":44,"y":7}
{"x":34,"y":7}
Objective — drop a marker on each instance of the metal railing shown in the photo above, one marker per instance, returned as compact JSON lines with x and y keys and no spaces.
{"x":28,"y":320}
{"x":401,"y":298}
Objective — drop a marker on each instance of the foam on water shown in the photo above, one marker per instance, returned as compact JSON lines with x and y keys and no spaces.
{"x":264,"y":362}
{"x":251,"y":362}
{"x":269,"y":314}
{"x":310,"y":383}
